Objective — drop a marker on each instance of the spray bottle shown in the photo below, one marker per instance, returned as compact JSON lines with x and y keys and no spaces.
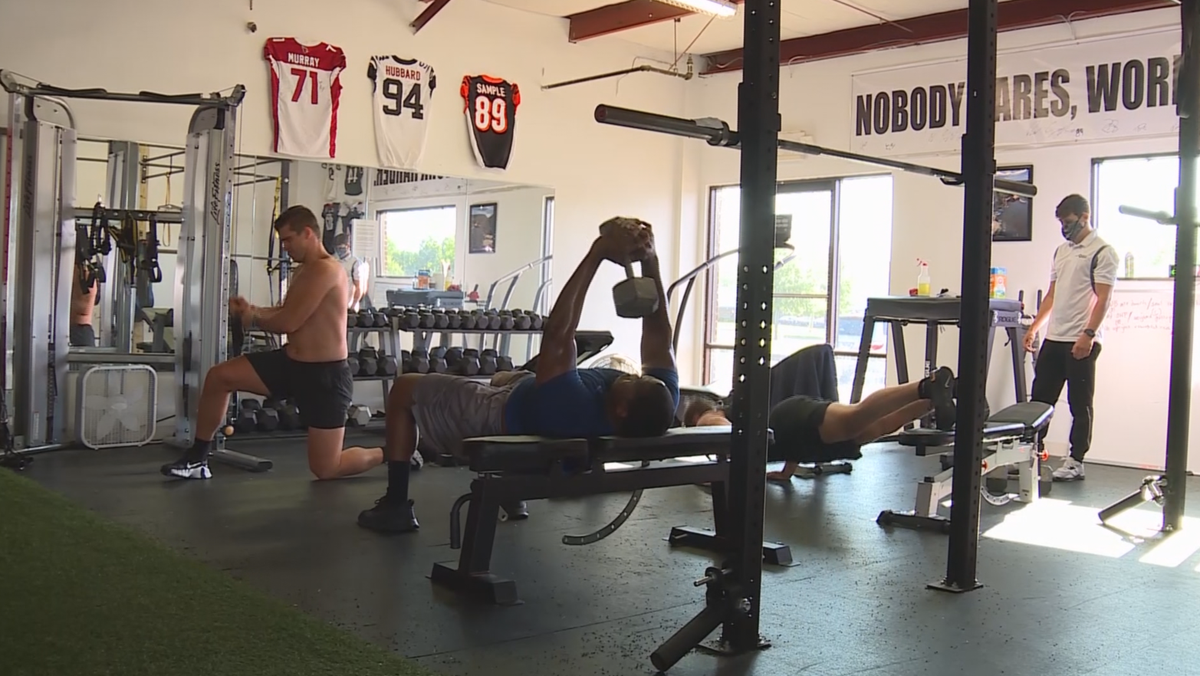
{"x":922,"y":278}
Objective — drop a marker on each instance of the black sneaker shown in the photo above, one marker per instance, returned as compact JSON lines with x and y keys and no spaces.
{"x":941,"y":386}
{"x":389,"y":516}
{"x":187,"y":469}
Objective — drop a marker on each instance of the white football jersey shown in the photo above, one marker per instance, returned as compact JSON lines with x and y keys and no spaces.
{"x":403,"y":90}
{"x":305,"y":89}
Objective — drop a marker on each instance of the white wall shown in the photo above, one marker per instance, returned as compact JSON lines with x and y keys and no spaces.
{"x":596,"y":171}
{"x":816,"y":99}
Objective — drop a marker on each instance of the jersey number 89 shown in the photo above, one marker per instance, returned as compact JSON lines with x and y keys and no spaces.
{"x":491,"y":114}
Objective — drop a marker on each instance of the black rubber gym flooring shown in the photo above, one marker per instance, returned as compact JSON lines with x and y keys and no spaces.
{"x":1080,"y":600}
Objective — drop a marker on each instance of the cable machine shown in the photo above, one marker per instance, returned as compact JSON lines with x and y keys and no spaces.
{"x":40,"y":202}
{"x":734,"y":588}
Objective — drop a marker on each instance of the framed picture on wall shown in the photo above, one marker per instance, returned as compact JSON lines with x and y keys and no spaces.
{"x":483,"y":228}
{"x":1012,"y":215}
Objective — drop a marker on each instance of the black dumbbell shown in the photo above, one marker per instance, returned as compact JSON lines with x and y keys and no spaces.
{"x":289,"y":415}
{"x":368,"y":361}
{"x":412,"y":319}
{"x":504,"y":363}
{"x":521,"y":321}
{"x":634,"y":296}
{"x":366,"y":319}
{"x":487,"y":362}
{"x":351,"y":319}
{"x":358,"y":416}
{"x":469,"y":321}
{"x":536,"y":321}
{"x":420,"y":361}
{"x":266,"y":419}
{"x":381,"y":320}
{"x":469,"y":364}
{"x":352,"y":362}
{"x":437,"y":360}
{"x":245,"y":421}
{"x":507,"y":321}
{"x":453,"y":355}
{"x":440,"y":319}
{"x":426,"y":319}
{"x":406,"y":362}
{"x":455,"y":319}
{"x":494,"y":320}
{"x":387,"y":365}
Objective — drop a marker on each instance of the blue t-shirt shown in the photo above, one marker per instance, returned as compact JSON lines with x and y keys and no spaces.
{"x":572,"y":404}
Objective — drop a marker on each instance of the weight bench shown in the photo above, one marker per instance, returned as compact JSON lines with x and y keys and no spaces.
{"x":516,"y":468}
{"x":1009,"y":440}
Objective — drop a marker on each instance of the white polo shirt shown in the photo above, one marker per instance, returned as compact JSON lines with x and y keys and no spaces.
{"x":353,"y":267}
{"x":1072,"y":274}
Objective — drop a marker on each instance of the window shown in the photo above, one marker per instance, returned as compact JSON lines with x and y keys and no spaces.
{"x":543,"y":304}
{"x":1146,"y":249}
{"x":418,"y":239}
{"x":841,"y":239}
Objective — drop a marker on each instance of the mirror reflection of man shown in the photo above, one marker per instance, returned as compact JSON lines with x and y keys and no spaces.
{"x":356,"y":271}
{"x":83,"y":303}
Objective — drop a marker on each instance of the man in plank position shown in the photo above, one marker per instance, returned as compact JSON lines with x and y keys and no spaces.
{"x":311,"y":368}
{"x":559,"y":401}
{"x":806,"y":426}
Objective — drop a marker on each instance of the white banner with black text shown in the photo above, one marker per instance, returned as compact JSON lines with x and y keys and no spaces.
{"x":1107,"y":89}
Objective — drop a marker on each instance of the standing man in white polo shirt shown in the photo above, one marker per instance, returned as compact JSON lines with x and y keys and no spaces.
{"x":1081,"y":283}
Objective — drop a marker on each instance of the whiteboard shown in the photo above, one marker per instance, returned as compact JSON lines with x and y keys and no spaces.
{"x":1132,"y":377}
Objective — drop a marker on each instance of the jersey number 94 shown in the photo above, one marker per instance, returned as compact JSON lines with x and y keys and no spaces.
{"x":393,"y":90}
{"x":491,"y":114}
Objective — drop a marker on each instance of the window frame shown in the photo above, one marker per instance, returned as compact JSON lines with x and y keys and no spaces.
{"x":1094,"y":193}
{"x":379,"y":218}
{"x":832,"y":297}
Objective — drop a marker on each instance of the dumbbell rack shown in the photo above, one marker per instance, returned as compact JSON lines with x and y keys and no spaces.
{"x":387,"y":334}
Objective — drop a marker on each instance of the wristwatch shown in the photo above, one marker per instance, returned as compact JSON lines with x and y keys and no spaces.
{"x":1089,"y":333}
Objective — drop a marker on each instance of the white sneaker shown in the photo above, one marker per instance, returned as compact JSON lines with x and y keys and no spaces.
{"x":1071,"y":470}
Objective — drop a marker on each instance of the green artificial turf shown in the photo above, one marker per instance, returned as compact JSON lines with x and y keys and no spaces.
{"x":80,"y":595}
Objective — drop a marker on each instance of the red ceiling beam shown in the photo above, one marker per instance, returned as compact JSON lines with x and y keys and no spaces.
{"x":621,"y":16}
{"x":427,"y":14}
{"x":1013,"y":15}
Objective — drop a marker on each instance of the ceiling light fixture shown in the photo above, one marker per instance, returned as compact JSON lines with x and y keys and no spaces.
{"x":722,"y":8}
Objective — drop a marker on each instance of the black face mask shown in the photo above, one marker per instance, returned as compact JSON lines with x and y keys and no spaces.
{"x":1071,"y":230}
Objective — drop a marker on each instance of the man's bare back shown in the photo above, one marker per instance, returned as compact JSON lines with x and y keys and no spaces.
{"x":83,"y":300}
{"x":323,"y":337}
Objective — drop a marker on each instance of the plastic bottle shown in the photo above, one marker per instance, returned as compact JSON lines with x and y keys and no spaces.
{"x":1129,"y":265}
{"x":922,"y":278}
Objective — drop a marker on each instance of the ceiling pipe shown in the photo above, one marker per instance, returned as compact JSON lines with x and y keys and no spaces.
{"x":687,"y":75}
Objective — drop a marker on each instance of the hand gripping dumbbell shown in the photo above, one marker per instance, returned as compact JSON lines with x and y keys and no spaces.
{"x":366,"y":319}
{"x":351,"y":319}
{"x":487,"y":362}
{"x":368,"y":361}
{"x":469,"y":364}
{"x":455,"y":319}
{"x":507,"y":322}
{"x":635,"y":296}
{"x":420,"y":361}
{"x":387,"y":365}
{"x":266,"y":419}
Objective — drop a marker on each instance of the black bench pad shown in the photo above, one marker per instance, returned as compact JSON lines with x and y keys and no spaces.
{"x":1018,"y":420}
{"x":530,"y":453}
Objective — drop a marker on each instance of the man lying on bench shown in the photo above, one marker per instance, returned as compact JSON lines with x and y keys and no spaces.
{"x":560,"y":401}
{"x":804,"y":424}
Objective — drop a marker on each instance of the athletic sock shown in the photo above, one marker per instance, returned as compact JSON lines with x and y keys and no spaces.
{"x":199,"y":450}
{"x":398,"y":473}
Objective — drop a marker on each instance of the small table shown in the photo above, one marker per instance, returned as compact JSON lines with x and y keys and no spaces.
{"x":934,"y":313}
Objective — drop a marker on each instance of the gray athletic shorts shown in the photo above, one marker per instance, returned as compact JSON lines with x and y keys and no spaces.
{"x":449,"y":409}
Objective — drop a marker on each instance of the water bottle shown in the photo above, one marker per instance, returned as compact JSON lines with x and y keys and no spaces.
{"x":1129,"y":265}
{"x":922,"y":278}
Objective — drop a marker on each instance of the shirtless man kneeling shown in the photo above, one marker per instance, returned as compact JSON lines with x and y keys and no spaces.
{"x":311,"y":368}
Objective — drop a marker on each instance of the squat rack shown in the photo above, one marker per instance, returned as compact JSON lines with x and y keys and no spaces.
{"x":1169,"y":490}
{"x":41,"y":132}
{"x":734,"y":588}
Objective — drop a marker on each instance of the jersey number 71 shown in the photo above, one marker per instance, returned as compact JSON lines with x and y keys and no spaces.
{"x":393,"y":90}
{"x":491,"y":114}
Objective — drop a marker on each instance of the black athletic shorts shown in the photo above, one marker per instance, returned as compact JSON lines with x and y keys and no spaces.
{"x":82,"y":335}
{"x":796,"y":422}
{"x":322,"y":390}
